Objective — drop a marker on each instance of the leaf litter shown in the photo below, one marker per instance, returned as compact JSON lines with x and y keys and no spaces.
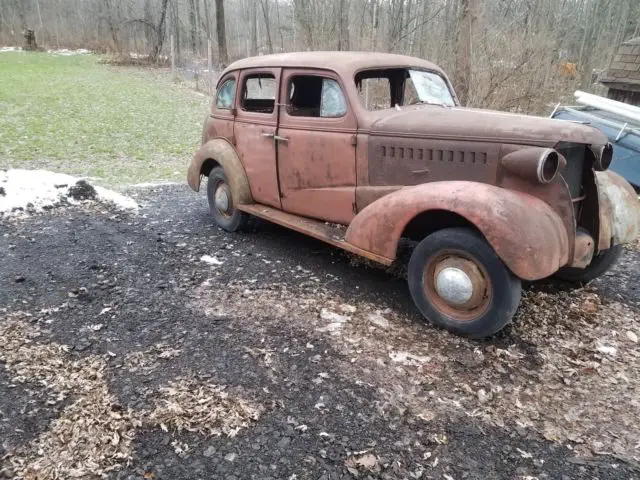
{"x":540,"y":375}
{"x":94,"y":434}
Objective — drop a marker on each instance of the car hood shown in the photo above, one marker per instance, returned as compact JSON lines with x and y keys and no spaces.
{"x":456,"y":123}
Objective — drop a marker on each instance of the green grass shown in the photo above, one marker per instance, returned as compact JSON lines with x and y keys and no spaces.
{"x":76,"y":115}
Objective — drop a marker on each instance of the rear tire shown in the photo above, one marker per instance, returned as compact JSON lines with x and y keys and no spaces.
{"x":599,"y":265}
{"x":459,"y":283}
{"x":221,"y":204}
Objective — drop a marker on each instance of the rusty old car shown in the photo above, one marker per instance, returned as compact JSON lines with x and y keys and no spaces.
{"x":361,"y":150}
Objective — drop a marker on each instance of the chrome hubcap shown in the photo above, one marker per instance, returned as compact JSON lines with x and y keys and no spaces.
{"x":222,"y":199}
{"x":454,"y":286}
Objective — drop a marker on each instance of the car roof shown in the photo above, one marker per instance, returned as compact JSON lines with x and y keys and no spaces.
{"x":344,"y":63}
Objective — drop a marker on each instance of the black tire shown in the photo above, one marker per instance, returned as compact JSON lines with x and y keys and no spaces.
{"x":230,"y":218}
{"x":599,"y":265}
{"x":497,"y":298}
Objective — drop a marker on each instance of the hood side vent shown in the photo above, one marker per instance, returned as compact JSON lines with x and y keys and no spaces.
{"x":396,"y":161}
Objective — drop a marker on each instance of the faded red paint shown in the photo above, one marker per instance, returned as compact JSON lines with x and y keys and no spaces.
{"x":374,"y":171}
{"x":524,"y":231}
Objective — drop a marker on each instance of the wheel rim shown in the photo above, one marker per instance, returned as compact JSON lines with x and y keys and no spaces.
{"x":457,"y":285}
{"x":222,"y":199}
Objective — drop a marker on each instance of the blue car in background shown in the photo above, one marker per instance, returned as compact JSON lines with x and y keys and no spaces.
{"x":623,"y":132}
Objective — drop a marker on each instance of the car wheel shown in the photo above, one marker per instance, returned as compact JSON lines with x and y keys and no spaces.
{"x":459,"y":283}
{"x":598,"y":266}
{"x":221,"y":202}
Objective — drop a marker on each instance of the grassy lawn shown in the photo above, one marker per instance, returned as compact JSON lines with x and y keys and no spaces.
{"x":73,"y":114}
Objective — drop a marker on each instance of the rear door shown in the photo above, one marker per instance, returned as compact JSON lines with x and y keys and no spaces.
{"x":255,"y":127}
{"x":316,"y":146}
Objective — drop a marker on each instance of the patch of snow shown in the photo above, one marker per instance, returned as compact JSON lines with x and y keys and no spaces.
{"x":65,"y":52}
{"x":378,"y":320}
{"x":152,"y":184}
{"x":333,"y":317}
{"x":407,"y":358}
{"x":10,"y":49}
{"x":211,"y":260}
{"x":37,"y":190}
{"x":346,"y":308}
{"x":121,"y":201}
{"x":607,"y":349}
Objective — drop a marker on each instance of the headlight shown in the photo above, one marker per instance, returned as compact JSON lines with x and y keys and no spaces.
{"x":603,"y":155}
{"x":548,"y":165}
{"x":535,"y":164}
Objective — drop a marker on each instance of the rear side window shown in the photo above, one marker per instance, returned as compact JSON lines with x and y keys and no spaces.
{"x":259,"y":93}
{"x":375,"y":92}
{"x":314,"y":96}
{"x":225,"y":95}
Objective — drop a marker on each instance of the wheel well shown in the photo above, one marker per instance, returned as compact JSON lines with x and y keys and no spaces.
{"x":208,"y":165}
{"x":426,"y":223}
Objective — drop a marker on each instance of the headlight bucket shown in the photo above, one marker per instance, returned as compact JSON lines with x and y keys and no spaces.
{"x":535,"y":164}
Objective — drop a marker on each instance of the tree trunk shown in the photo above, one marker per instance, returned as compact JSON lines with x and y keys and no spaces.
{"x":265,"y":14}
{"x":160,"y":30}
{"x":192,"y":24}
{"x":253,"y":21}
{"x":207,"y":19}
{"x":343,"y":25}
{"x":462,"y":75}
{"x":280,"y":26}
{"x":223,"y":56}
{"x":301,"y":13}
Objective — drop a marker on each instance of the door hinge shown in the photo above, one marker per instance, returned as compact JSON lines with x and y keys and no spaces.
{"x":354,"y":140}
{"x":354,"y":207}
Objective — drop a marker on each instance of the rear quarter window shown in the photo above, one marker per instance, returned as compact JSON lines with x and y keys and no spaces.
{"x":226,"y":94}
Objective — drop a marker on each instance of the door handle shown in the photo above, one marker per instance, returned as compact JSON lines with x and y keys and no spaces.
{"x":268,"y":134}
{"x":278,"y":138}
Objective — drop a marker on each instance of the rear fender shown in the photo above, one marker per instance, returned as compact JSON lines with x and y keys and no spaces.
{"x":222,"y":152}
{"x":524,"y":231}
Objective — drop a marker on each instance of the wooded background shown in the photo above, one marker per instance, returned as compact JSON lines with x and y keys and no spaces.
{"x":518,"y":55}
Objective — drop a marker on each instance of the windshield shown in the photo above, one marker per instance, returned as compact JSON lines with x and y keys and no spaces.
{"x":429,"y":88}
{"x":385,"y":88}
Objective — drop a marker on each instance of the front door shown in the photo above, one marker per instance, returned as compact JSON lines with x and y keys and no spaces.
{"x":254,"y":131}
{"x":316,"y":148}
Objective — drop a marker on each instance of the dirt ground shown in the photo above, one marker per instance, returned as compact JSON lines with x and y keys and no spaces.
{"x":154,"y":345}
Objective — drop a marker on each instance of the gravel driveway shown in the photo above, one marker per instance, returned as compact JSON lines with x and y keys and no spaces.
{"x":154,"y":345}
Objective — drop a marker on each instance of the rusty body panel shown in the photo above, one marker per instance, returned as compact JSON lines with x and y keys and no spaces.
{"x":223,"y":153}
{"x":316,"y":159}
{"x":375,"y":171}
{"x":618,"y":210}
{"x":524,"y":231}
{"x":333,"y":235}
{"x":253,"y":133}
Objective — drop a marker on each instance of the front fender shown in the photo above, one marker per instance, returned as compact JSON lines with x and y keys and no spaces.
{"x":220,"y":150}
{"x":524,"y":231}
{"x":618,"y":204}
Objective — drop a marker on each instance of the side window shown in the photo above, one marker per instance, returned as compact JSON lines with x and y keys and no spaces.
{"x":314,"y":96}
{"x":374,"y":92}
{"x":333,"y":103}
{"x":226,"y":92}
{"x":259,"y":93}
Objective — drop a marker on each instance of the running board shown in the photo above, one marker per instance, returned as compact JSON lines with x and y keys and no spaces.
{"x":327,"y":232}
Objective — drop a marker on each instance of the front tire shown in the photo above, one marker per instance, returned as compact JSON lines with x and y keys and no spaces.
{"x":599,"y":265}
{"x":459,"y":283}
{"x":221,"y":204}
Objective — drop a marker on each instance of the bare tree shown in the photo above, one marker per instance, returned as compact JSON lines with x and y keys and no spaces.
{"x":265,"y":13}
{"x":223,"y":56}
{"x":462,"y":75}
{"x":252,"y":8}
{"x":343,"y":25}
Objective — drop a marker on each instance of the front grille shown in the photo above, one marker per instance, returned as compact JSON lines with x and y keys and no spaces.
{"x":572,"y":174}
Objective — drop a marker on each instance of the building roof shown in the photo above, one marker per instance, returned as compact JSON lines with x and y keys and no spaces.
{"x":342,"y":62}
{"x":624,"y":72}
